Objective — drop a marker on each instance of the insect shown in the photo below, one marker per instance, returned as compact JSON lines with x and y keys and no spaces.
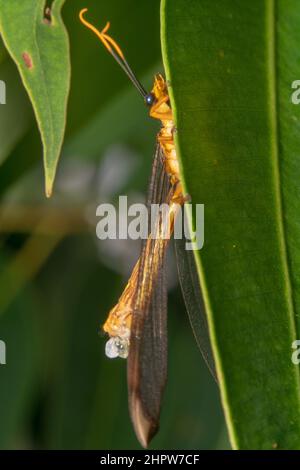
{"x":137,"y":324}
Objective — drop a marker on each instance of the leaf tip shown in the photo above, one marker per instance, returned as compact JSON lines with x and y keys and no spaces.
{"x":49,"y":189}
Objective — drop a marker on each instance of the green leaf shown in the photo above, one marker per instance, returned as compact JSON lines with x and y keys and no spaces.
{"x":40,"y":50}
{"x":230,"y":68}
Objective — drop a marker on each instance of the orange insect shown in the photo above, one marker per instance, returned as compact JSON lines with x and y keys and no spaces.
{"x":137,"y":325}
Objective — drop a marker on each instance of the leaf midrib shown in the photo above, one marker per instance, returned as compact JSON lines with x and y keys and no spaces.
{"x":51,"y":133}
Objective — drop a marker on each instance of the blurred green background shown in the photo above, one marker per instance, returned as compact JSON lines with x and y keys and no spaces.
{"x":57,"y":281}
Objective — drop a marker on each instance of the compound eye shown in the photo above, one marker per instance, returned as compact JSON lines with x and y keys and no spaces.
{"x":150,"y":99}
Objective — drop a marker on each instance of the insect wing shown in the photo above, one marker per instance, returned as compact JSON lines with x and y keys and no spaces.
{"x":147,"y":364}
{"x":189,"y":282}
{"x":147,"y":360}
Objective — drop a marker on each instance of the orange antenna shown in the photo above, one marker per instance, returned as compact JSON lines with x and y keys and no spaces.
{"x":112,"y":46}
{"x":104,"y":38}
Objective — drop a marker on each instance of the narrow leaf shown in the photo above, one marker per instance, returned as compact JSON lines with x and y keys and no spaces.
{"x":38,"y":43}
{"x":230,"y":66}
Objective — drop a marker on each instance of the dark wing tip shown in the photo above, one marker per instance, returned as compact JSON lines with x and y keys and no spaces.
{"x":145,"y":427}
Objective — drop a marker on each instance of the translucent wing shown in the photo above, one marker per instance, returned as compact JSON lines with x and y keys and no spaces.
{"x":147,"y":365}
{"x":147,"y":360}
{"x":193,"y":299}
